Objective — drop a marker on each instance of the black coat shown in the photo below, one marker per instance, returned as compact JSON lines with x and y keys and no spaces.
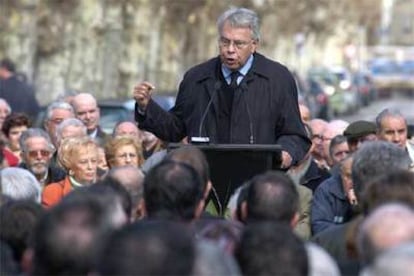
{"x":265,"y":106}
{"x":55,"y":174}
{"x":19,"y":95}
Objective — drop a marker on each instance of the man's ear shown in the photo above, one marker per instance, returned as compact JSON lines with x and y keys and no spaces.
{"x":207,"y":190}
{"x":199,"y":209}
{"x":27,"y":261}
{"x":294,"y":220}
{"x":243,"y":211}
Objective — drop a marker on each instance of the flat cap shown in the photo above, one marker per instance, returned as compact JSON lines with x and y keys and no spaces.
{"x":359,"y":129}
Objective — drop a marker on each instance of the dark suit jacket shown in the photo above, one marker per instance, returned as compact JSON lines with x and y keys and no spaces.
{"x":55,"y":174}
{"x":265,"y":106}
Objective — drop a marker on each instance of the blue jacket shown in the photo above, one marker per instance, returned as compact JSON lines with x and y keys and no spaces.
{"x":330,"y":205}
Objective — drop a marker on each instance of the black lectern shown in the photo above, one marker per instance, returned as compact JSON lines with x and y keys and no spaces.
{"x":232,"y":164}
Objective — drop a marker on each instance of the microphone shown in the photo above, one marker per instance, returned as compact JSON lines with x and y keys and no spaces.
{"x":205,"y":139}
{"x":249,"y":115}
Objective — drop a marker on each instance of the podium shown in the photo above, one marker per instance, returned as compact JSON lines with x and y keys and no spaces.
{"x":232,"y":164}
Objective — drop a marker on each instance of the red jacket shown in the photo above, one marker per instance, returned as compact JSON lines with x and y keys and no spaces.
{"x":54,"y":192}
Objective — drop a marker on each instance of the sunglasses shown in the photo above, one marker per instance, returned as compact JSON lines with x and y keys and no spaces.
{"x":35,"y":153}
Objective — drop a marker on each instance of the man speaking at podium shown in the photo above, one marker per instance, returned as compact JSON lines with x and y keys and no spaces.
{"x":239,"y":97}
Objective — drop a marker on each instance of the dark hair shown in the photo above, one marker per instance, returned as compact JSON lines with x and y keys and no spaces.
{"x":66,"y":237}
{"x":272,"y":196}
{"x":8,"y":64}
{"x":15,"y":120}
{"x":148,"y":248}
{"x":18,"y":220}
{"x":172,"y":190}
{"x":269,"y":248}
{"x":193,"y":157}
{"x":397,"y":186}
{"x":110,"y":190}
{"x":337,"y":140}
{"x":8,"y":264}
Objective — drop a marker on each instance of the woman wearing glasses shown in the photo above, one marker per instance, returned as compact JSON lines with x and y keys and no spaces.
{"x":123,"y":151}
{"x":79,"y":156}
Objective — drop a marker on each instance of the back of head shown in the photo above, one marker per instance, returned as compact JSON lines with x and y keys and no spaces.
{"x":272,"y":196}
{"x":396,"y":186}
{"x":397,"y":261}
{"x":8,"y":64}
{"x":191,"y":156}
{"x":320,"y":262}
{"x":148,"y":248}
{"x":388,"y":226}
{"x":19,"y":183}
{"x":375,"y":159}
{"x":115,"y":198}
{"x":66,"y":237}
{"x":211,"y":260}
{"x":131,"y":178}
{"x":18,"y":220}
{"x":172,"y":190}
{"x":271,"y":249}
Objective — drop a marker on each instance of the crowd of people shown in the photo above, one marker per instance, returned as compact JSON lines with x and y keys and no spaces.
{"x":76,"y":200}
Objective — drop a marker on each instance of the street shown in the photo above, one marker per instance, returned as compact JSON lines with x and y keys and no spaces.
{"x":404,"y":104}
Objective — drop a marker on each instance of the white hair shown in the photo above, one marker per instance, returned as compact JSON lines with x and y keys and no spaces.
{"x":320,"y":262}
{"x":19,"y":184}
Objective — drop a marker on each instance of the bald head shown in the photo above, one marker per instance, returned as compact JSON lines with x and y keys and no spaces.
{"x":388,"y":226}
{"x":332,"y":129}
{"x":86,"y":110}
{"x":129,"y":129}
{"x":131,"y":178}
{"x":317,"y":126}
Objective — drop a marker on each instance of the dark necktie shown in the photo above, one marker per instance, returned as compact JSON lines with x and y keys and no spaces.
{"x":233,"y":79}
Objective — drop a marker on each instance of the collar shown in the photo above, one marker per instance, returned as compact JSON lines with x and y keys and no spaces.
{"x":75,"y":184}
{"x":243,"y":71}
{"x":93,"y":134}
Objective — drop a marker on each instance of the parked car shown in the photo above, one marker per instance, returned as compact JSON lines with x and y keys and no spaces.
{"x":321,"y":99}
{"x":365,"y":87}
{"x":330,"y":85}
{"x":311,"y":94}
{"x":115,"y":110}
{"x":351,"y":95}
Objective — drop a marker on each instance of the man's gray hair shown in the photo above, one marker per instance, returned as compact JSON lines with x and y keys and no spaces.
{"x":69,"y":122}
{"x":240,"y":18}
{"x":6,"y":104}
{"x":395,"y":220}
{"x":19,"y":184}
{"x":396,"y":261}
{"x":58,"y":105}
{"x":35,"y":132}
{"x":375,"y":159}
{"x":320,"y":262}
{"x":387,"y":112}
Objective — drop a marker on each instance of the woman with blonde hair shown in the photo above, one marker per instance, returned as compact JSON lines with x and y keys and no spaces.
{"x":122,"y":151}
{"x":79,"y":156}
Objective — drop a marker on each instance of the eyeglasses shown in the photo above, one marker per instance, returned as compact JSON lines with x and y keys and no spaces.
{"x":317,"y":137}
{"x":35,"y":153}
{"x":126,"y":155}
{"x":239,"y":44}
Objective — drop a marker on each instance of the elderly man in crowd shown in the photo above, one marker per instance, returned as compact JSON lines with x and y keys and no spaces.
{"x":392,"y":127}
{"x":55,"y":114}
{"x":87,"y":110}
{"x":19,"y":184}
{"x":37,"y":152}
{"x":359,"y":132}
